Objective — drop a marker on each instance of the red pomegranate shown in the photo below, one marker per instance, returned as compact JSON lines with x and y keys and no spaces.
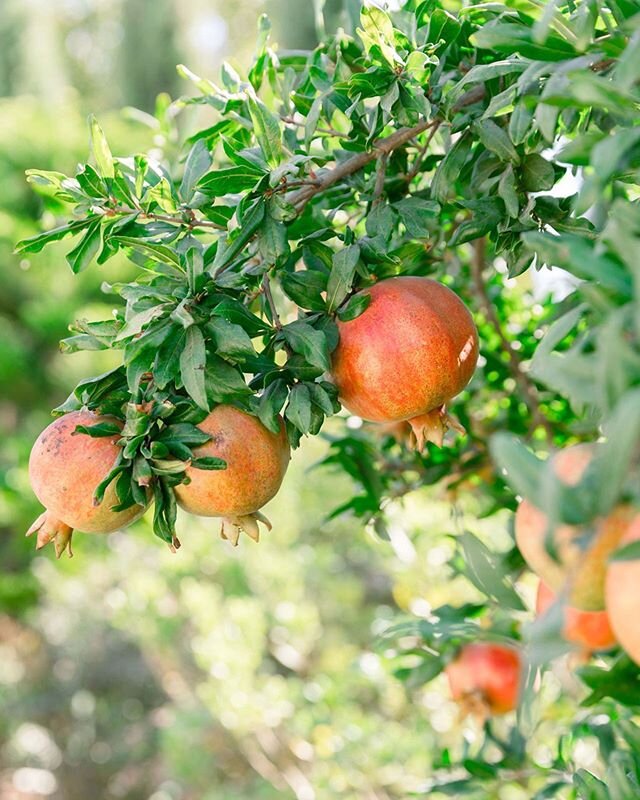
{"x":485,"y":678}
{"x":581,"y":569}
{"x":589,"y":630}
{"x":257,"y":460}
{"x":65,"y":469}
{"x":413,"y":349}
{"x":622,"y":597}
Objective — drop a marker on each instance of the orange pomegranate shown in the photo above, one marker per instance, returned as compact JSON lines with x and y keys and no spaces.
{"x":65,"y":469}
{"x":580,"y":568}
{"x":257,"y":460}
{"x":413,"y":349}
{"x":622,"y":596}
{"x":589,"y":630}
{"x":485,"y":678}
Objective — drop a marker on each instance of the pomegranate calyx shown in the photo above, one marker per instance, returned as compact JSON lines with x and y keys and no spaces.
{"x":232,"y":527}
{"x":431,"y":427}
{"x":50,"y":529}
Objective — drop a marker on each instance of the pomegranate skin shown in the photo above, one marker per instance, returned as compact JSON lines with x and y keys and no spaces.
{"x":589,"y":630}
{"x":257,"y":460}
{"x":581,"y":570}
{"x":622,"y":597}
{"x":485,"y":678}
{"x":65,"y":469}
{"x":412,"y":350}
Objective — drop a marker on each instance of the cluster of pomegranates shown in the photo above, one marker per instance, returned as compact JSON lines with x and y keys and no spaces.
{"x":412,"y":327}
{"x":600,"y":597}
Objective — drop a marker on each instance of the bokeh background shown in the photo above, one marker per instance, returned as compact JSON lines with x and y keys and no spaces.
{"x":128,"y":672}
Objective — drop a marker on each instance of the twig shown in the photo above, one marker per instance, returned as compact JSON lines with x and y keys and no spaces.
{"x":266,"y":288}
{"x":330,"y":131}
{"x":357,"y":162}
{"x":423,"y":151}
{"x":194,"y":222}
{"x":380,"y":176}
{"x":526,"y":387}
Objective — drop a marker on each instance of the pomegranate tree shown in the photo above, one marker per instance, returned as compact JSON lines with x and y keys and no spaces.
{"x":412,"y":350}
{"x":65,"y":468}
{"x":256,"y":461}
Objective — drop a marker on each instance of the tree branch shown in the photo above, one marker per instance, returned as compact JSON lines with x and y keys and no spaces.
{"x":526,"y":387}
{"x":357,"y":162}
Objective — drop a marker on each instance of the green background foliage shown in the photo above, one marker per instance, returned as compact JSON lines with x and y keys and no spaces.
{"x":309,"y":666}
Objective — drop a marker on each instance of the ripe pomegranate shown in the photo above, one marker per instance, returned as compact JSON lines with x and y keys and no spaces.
{"x":65,"y":469}
{"x":257,"y":460}
{"x":623,"y":598}
{"x":589,"y":630}
{"x":485,"y":678}
{"x":580,"y":568}
{"x":413,"y":349}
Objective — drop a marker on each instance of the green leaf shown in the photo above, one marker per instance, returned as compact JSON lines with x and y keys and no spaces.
{"x":192,"y":366}
{"x":34,"y":244}
{"x":100,"y":149}
{"x":415,"y":213}
{"x":230,"y":340}
{"x":208,"y":463}
{"x":496,"y":139}
{"x":233,"y":246}
{"x":448,"y":171}
{"x":138,"y":321}
{"x":512,"y":38}
{"x":485,"y":570}
{"x":508,"y":192}
{"x":341,"y":276}
{"x":223,"y":381}
{"x":197,"y":163}
{"x":309,"y":342}
{"x":167,"y":363}
{"x":354,"y":307}
{"x":229,"y":181}
{"x":298,"y":410}
{"x":609,"y":470}
{"x":485,"y":72}
{"x":271,"y":402}
{"x":578,"y":255}
{"x":99,"y":430}
{"x":82,"y":254}
{"x":266,"y":128}
{"x":159,"y":253}
{"x":305,"y":288}
{"x":629,"y":552}
{"x":537,"y":173}
{"x":523,"y":470}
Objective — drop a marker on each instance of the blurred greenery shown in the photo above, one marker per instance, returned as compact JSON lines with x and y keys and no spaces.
{"x":262,"y":672}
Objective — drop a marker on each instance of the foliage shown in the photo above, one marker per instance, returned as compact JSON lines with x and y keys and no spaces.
{"x":427,"y":143}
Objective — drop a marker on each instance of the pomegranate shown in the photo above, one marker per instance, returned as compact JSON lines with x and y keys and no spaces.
{"x":257,"y":460}
{"x":413,"y":349}
{"x":485,"y":678}
{"x":622,"y":597}
{"x":589,"y":630}
{"x":581,"y":569}
{"x":65,"y":469}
